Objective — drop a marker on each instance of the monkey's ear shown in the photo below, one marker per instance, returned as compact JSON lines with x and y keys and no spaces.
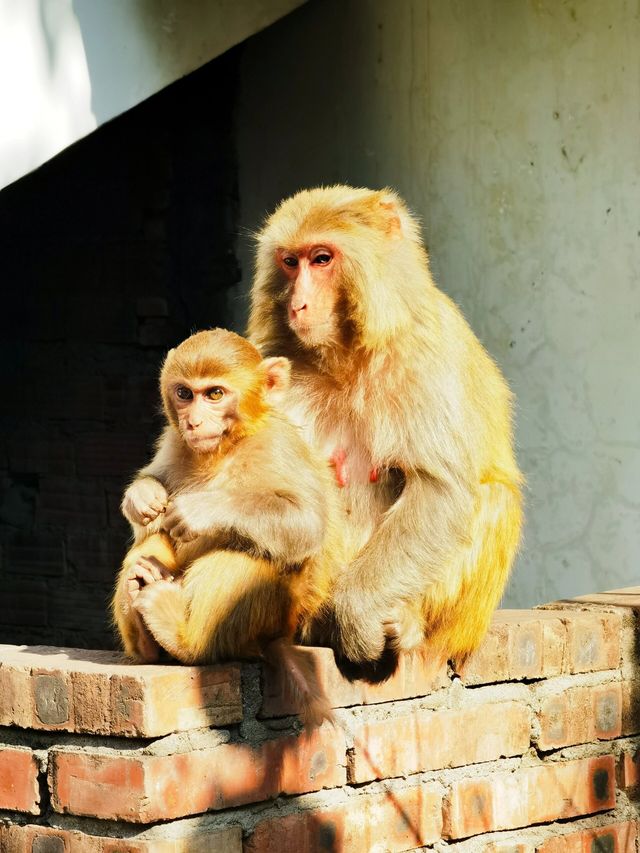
{"x":278,"y":373}
{"x":393,"y":223}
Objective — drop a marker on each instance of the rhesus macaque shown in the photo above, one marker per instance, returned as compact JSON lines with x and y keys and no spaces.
{"x":234,"y":523}
{"x":391,"y":383}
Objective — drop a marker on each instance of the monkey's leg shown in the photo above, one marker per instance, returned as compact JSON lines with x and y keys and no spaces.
{"x":137,"y":640}
{"x":458,"y":610}
{"x":225,"y":605}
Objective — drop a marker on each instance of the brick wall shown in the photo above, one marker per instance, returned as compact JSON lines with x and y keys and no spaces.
{"x":110,"y":253}
{"x":532,"y":746}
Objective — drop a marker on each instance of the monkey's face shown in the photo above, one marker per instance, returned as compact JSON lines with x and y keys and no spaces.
{"x":206,"y":410}
{"x":312,"y":273}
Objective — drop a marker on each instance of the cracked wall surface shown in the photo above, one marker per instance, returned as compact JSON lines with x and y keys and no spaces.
{"x":512,"y":130}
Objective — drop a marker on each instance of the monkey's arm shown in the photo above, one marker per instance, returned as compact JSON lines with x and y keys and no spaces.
{"x":146,"y":497}
{"x":413,"y":547}
{"x":143,"y":501}
{"x":279,"y":523}
{"x":271,"y":490}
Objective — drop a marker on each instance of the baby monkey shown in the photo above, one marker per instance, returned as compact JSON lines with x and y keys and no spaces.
{"x":234,"y":521}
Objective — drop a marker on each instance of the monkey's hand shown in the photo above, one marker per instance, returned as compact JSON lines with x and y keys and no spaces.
{"x":359,"y":624}
{"x":146,"y":571}
{"x":189,"y":516}
{"x":144,"y":500}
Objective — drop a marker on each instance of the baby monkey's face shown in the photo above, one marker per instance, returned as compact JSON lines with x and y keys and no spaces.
{"x":206,"y":411}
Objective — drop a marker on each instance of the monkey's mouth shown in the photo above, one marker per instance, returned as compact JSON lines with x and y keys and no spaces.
{"x":204,"y":443}
{"x":312,"y":333}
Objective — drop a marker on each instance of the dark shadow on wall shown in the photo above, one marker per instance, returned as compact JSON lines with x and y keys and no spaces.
{"x":113,"y":251}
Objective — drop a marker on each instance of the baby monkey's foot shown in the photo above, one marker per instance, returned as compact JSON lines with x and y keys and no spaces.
{"x":146,"y":572}
{"x":161,"y":606}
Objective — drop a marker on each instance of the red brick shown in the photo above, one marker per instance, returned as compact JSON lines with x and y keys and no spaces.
{"x":23,"y":602}
{"x":155,"y":332}
{"x":580,"y":715}
{"x":615,"y":838}
{"x":530,"y":795}
{"x":520,"y":644}
{"x":33,"y":839}
{"x":152,"y":306}
{"x":95,"y":556}
{"x":631,"y":707}
{"x":143,"y":788}
{"x":19,"y":789}
{"x":39,"y":554}
{"x":629,"y":769}
{"x":95,"y":691}
{"x":109,"y":453}
{"x":71,"y":502}
{"x":414,"y":676}
{"x":593,"y":641}
{"x":16,"y":701}
{"x":42,"y":455}
{"x":392,"y":821}
{"x":430,"y":740}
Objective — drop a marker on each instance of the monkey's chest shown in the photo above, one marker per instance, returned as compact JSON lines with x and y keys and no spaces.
{"x":338,"y":430}
{"x":366,"y":490}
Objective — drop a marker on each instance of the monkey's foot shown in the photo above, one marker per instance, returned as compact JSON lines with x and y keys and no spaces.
{"x":404,"y":630}
{"x":374,"y":671}
{"x":151,"y":598}
{"x":146,"y":649}
{"x":161,"y":605}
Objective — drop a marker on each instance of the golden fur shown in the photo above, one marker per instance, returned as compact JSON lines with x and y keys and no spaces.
{"x":248,"y":531}
{"x":408,"y":391}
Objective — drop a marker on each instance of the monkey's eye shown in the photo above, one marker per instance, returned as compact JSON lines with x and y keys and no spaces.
{"x":184,"y":393}
{"x":322,"y":258}
{"x":215,"y":393}
{"x":290,"y":261}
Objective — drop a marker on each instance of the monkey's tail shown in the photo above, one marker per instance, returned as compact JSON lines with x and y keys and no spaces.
{"x":301,"y":682}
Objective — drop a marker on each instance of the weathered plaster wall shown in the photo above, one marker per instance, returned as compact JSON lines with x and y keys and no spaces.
{"x":67,"y":66}
{"x":512,"y":129}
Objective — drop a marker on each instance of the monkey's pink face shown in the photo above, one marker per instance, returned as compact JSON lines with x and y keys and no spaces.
{"x":206,"y":410}
{"x":313,"y":275}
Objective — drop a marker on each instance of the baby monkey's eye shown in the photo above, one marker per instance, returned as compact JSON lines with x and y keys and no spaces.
{"x":215,"y":393}
{"x":184,"y":393}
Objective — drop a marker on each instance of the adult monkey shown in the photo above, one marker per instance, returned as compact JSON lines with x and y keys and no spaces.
{"x":391,"y":382}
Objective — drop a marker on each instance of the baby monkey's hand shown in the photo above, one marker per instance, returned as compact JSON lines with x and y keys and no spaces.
{"x":144,"y":500}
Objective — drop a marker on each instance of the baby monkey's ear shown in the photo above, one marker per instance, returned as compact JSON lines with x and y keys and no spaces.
{"x":277,"y":374}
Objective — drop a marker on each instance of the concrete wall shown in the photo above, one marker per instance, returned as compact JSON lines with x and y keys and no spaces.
{"x":512,"y":129}
{"x":67,"y":66}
